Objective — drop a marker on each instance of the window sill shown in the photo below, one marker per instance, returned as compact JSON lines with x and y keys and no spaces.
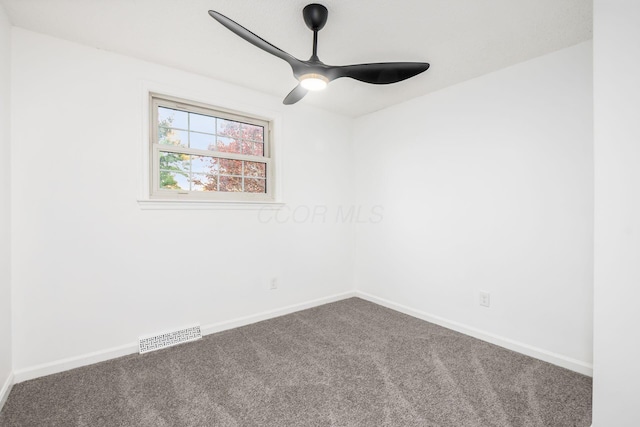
{"x":159,"y":204}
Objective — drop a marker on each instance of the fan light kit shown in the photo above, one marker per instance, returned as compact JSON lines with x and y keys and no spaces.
{"x":313,"y":74}
{"x":313,"y":81}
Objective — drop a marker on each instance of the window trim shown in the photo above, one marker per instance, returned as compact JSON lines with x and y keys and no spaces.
{"x":156,"y":198}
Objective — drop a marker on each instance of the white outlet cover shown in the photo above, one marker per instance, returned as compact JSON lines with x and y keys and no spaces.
{"x":485,"y":299}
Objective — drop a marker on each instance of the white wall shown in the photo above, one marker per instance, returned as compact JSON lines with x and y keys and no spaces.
{"x":5,"y":205}
{"x":92,"y":270}
{"x":617,"y":213}
{"x":487,"y":185}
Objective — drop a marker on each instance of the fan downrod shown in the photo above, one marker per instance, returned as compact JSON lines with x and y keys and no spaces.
{"x":315,"y":16}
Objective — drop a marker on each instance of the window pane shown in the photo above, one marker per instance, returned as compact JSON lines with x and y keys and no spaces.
{"x":253,"y":148}
{"x":252,"y":132}
{"x":229,"y":128}
{"x":255,"y":185}
{"x":229,"y":145}
{"x":183,"y":181}
{"x":255,"y":169}
{"x":177,"y":138}
{"x":174,"y":180}
{"x":168,"y":181}
{"x":172,"y":118}
{"x":230,"y":167}
{"x":202,"y":123}
{"x":230,"y":183}
{"x":202,"y":182}
{"x":202,"y":141}
{"x":203,"y":164}
{"x":174,"y":162}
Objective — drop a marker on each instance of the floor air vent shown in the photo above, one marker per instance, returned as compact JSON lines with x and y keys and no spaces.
{"x":167,"y":339}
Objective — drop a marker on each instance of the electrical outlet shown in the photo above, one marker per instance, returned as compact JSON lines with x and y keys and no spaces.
{"x":485,"y":299}
{"x":273,"y":284}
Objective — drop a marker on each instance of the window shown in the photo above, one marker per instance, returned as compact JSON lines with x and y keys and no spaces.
{"x":202,"y":153}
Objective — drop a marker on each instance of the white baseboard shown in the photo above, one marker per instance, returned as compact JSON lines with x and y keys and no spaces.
{"x":112,"y":353}
{"x":62,"y":365}
{"x":68,"y":363}
{"x":538,"y":353}
{"x":265,"y":315}
{"x":5,"y":390}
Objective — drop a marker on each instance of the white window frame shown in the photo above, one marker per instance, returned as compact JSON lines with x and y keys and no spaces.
{"x":157,"y":194}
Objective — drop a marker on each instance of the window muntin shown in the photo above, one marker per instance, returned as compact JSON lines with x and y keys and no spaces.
{"x":198,"y":152}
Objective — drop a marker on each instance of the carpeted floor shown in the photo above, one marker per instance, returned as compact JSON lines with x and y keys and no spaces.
{"x":349,"y":363}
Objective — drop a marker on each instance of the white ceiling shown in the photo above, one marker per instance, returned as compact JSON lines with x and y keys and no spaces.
{"x":461,"y":39}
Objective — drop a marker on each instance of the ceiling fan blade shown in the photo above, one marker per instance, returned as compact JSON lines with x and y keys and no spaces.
{"x":295,"y":95}
{"x":254,"y":39}
{"x":381,"y":73}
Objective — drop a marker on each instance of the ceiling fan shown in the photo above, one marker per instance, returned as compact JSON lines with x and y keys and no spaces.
{"x":313,"y":74}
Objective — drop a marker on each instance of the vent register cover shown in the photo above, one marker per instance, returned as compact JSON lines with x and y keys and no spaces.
{"x":168,"y":339}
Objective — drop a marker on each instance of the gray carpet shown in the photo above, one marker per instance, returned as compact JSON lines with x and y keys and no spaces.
{"x":349,"y":363}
